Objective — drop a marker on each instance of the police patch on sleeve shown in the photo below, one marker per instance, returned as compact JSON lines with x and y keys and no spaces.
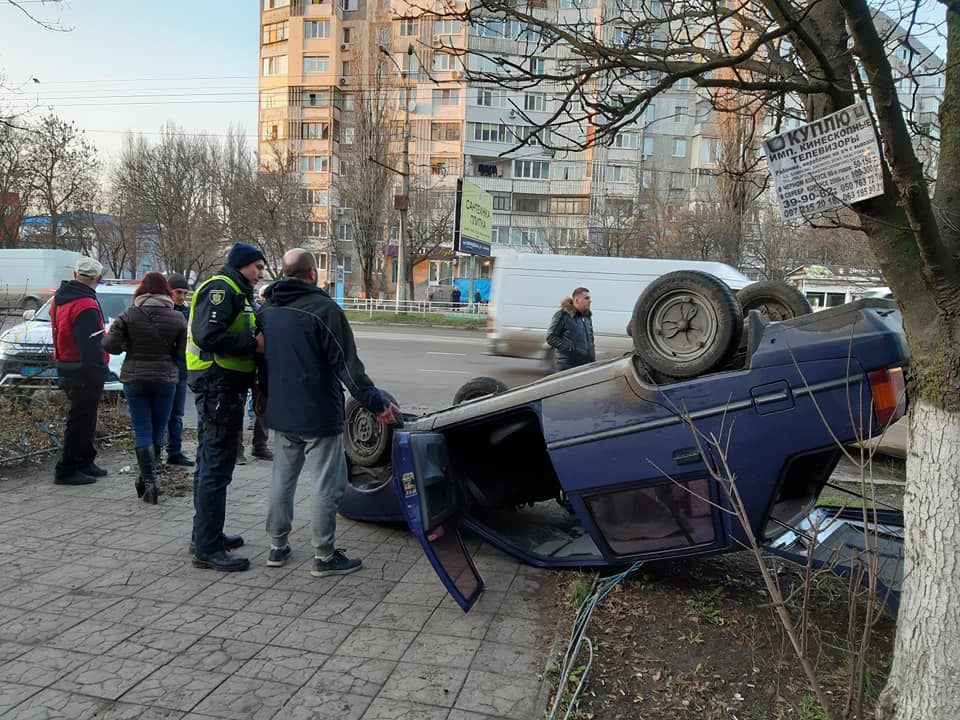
{"x":217,"y":296}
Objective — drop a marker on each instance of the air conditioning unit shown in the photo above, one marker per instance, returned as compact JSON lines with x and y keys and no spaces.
{"x":344,"y":81}
{"x":455,"y":74}
{"x":341,"y":211}
{"x":512,"y":114}
{"x":344,"y":46}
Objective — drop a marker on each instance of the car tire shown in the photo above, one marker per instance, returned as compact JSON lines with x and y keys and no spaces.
{"x":686,"y":323}
{"x":775,"y":299}
{"x":478,"y":387}
{"x":365,"y":441}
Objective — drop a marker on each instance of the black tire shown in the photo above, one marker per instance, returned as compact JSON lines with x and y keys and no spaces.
{"x":776,"y":300}
{"x":478,"y":387}
{"x":686,"y":323}
{"x":365,"y":441}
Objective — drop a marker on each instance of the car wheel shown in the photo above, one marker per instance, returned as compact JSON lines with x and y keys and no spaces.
{"x":776,"y":300}
{"x":365,"y":441}
{"x":686,"y":323}
{"x":478,"y":387}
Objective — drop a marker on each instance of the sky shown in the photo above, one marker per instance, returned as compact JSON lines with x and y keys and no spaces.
{"x":134,"y":66}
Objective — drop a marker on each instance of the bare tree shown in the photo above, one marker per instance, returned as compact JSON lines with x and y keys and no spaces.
{"x":429,"y":222}
{"x":63,"y":169}
{"x":15,"y":182}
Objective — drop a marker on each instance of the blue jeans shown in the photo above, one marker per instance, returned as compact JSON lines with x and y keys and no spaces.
{"x":175,"y":425}
{"x":149,"y":405}
{"x":219,"y":420}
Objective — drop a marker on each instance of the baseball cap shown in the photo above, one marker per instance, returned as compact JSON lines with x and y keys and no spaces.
{"x":89,"y":268}
{"x":178,"y":282}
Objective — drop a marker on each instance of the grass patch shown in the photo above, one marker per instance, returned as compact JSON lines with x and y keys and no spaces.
{"x":472,"y":322}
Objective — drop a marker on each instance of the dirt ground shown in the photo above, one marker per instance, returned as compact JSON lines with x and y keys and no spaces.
{"x":699,"y":639}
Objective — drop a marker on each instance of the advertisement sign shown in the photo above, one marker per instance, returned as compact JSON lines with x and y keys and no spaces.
{"x":10,"y":219}
{"x":473,"y":226}
{"x":826,"y":164}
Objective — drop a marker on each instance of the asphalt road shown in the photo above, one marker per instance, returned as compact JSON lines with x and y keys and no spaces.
{"x":423,"y":367}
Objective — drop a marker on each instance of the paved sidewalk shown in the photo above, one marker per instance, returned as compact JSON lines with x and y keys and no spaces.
{"x":102,"y":616}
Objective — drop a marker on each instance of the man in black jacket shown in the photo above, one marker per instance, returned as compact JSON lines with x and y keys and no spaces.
{"x":180,"y":288}
{"x":310,"y":355}
{"x":77,"y":325}
{"x":221,"y":342}
{"x":571,"y":332}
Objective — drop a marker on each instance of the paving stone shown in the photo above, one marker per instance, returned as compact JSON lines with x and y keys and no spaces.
{"x":152,"y":645}
{"x":442,"y":650}
{"x":36,"y":627}
{"x":398,"y":617}
{"x":175,"y":588}
{"x":53,"y":704}
{"x":242,"y":697}
{"x":128,"y":711}
{"x":312,"y":635}
{"x":507,"y":659}
{"x":192,"y":620}
{"x":378,"y":568}
{"x":71,"y":575}
{"x":384,"y":709}
{"x":93,"y":636}
{"x":225,"y":595}
{"x":121,"y":581}
{"x":446,"y":621}
{"x":343,"y":610}
{"x":360,"y":588}
{"x":286,"y":665}
{"x":490,"y":601}
{"x":319,"y":704}
{"x":220,"y":655}
{"x":135,"y":610}
{"x":42,"y":666}
{"x":417,"y":594}
{"x":176,"y":687}
{"x":80,"y":603}
{"x":376,"y":643}
{"x":500,"y":695}
{"x":14,"y":693}
{"x":9,"y":614}
{"x":457,"y":714}
{"x":430,"y":684}
{"x":29,"y":595}
{"x":106,"y":677}
{"x":288,"y":603}
{"x":353,"y":675}
{"x":12,"y":650}
{"x":514,"y":630}
{"x":251,"y":626}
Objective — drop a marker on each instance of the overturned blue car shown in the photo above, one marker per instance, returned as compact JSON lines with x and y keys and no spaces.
{"x":611,"y":463}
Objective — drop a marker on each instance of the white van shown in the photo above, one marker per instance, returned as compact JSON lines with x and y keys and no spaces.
{"x":28,"y":277}
{"x":526,"y":290}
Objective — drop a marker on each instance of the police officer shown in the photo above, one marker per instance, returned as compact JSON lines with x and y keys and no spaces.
{"x":222,"y":339}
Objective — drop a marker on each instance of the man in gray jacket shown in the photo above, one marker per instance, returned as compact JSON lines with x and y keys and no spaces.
{"x":571,"y":332}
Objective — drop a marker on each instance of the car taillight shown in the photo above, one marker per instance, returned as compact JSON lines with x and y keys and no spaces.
{"x":889,"y":394}
{"x":491,"y":326}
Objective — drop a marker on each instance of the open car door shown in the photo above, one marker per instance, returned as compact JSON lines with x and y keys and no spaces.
{"x":840,"y":540}
{"x":431,"y":502}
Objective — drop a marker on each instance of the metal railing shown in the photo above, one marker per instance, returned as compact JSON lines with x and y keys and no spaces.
{"x":415,"y":307}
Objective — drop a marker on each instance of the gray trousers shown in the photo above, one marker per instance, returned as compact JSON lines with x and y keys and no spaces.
{"x":327,"y":468}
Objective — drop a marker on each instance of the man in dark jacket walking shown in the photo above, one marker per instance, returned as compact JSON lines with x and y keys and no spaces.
{"x":77,"y":324}
{"x":310,"y":355}
{"x":571,"y":332}
{"x":222,"y":339}
{"x":180,"y":288}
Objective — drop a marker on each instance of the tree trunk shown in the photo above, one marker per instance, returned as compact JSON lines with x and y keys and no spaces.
{"x":923,"y":679}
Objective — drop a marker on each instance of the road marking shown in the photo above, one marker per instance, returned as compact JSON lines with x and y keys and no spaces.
{"x":432,"y":352}
{"x":448,"y":372}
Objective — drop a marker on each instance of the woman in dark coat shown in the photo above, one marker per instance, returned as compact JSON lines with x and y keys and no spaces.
{"x":153,"y":335}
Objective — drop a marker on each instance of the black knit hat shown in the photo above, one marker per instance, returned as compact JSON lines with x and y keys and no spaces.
{"x":242,"y":255}
{"x":177,"y":282}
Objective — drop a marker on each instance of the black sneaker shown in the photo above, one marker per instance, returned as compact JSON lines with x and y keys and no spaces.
{"x":230,"y":542}
{"x":339,"y":564}
{"x":278,"y":556}
{"x":93,"y":470}
{"x":222,"y":561}
{"x":74,"y":478}
{"x":179,"y":459}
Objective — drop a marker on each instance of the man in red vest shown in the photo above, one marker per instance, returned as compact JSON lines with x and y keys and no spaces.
{"x":77,"y":323}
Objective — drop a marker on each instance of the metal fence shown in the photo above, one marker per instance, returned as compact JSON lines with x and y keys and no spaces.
{"x":415,"y":307}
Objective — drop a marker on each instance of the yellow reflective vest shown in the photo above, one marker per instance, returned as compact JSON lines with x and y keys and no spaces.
{"x":199,"y":359}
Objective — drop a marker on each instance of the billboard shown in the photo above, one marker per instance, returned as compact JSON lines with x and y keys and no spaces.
{"x":473,"y":225}
{"x":9,"y":219}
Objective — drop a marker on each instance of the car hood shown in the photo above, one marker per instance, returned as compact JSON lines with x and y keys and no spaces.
{"x":28,"y":333}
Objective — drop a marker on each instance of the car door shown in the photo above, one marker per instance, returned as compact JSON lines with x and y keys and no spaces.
{"x":432,"y":504}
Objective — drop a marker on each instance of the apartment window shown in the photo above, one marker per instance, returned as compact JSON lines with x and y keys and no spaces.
{"x":679,"y":112}
{"x":532,"y":169}
{"x":630,"y":5}
{"x":499,"y":234}
{"x":275,"y":32}
{"x":346,"y":36}
{"x":315,"y":131}
{"x":348,"y":5}
{"x":316,"y":64}
{"x":578,"y":4}
{"x":276,"y":65}
{"x":314,"y":163}
{"x":626,"y":140}
{"x":408,"y":27}
{"x":449,"y":96}
{"x":678,"y":180}
{"x":446,"y":27}
{"x":618,"y":174}
{"x":273,"y":130}
{"x":322,"y":258}
{"x":621,"y":35}
{"x":488,"y":132}
{"x":679,"y":147}
{"x":444,"y":131}
{"x":316,"y":98}
{"x":316,"y":29}
{"x":569,"y":206}
{"x":683,"y":83}
{"x":535,"y":102}
{"x":273,"y":98}
{"x":527,"y":204}
{"x":442,"y":62}
{"x":314,"y":229}
{"x":536,"y":66}
{"x":314,"y":196}
{"x":440,"y":167}
{"x":384,"y":35}
{"x":650,"y":113}
{"x":484,"y":97}
{"x":501,"y":202}
{"x":648,"y":147}
{"x":345,"y":68}
{"x":273,"y":4}
{"x":708,"y":150}
{"x":349,"y":135}
{"x":348,"y":101}
{"x":345,"y":233}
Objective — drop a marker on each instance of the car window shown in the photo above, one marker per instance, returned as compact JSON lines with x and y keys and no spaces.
{"x":113,"y":305}
{"x":43,"y":314}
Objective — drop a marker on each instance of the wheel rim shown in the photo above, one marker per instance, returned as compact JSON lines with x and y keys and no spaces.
{"x":365,"y":433}
{"x":682,"y":325}
{"x":772,"y":310}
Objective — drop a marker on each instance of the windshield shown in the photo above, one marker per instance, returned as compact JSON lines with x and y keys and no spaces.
{"x":112,"y":306}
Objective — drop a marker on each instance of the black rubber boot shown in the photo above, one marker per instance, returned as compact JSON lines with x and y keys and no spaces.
{"x":147,"y":460}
